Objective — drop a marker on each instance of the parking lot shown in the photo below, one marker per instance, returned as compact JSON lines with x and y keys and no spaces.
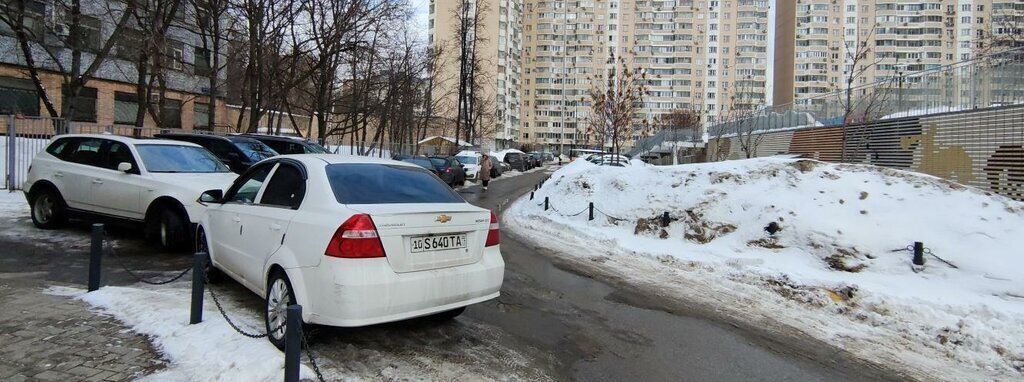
{"x":551,"y":322}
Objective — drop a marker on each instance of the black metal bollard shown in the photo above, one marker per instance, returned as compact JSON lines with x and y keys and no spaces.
{"x":531,"y":195}
{"x":918,"y":253}
{"x":664,"y":219}
{"x":545,"y":203}
{"x":95,"y":257}
{"x":198,"y":286}
{"x":293,"y":343}
{"x":591,"y":208}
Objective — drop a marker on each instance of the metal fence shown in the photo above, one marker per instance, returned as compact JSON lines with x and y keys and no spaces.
{"x":24,"y":137}
{"x":990,"y":81}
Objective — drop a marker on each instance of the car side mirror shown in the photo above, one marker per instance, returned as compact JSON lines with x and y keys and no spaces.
{"x":124,"y":167}
{"x":212,"y":196}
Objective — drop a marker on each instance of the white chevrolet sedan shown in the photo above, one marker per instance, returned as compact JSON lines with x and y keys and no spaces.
{"x":356,"y":241}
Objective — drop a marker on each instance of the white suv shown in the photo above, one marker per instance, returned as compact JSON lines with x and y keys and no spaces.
{"x":104,"y":177}
{"x":471,"y":161}
{"x":356,"y":241}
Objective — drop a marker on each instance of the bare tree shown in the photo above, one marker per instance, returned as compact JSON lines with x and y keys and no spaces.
{"x":470,"y":41}
{"x":74,"y":46}
{"x":614,"y":102}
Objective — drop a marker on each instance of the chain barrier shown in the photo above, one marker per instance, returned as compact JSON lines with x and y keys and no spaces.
{"x":309,"y":354}
{"x":223,"y":313}
{"x":927,"y":251}
{"x":110,"y":249}
{"x":607,"y":215}
{"x":585,"y":209}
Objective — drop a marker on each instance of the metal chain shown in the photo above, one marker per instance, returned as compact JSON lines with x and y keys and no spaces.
{"x":552,"y":207}
{"x":309,"y":354}
{"x":927,"y":251}
{"x":231,"y":323}
{"x":606,"y":214}
{"x":110,"y":249}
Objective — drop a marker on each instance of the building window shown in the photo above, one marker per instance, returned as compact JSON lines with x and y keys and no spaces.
{"x":126,"y":107}
{"x":131,"y":45}
{"x":84,"y":105}
{"x":170,"y":115}
{"x":33,"y":21}
{"x":18,"y":96}
{"x":201,"y":116}
{"x":202,"y":62}
{"x":175,"y":52}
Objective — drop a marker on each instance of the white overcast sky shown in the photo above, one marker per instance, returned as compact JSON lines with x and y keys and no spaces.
{"x":421,"y":9}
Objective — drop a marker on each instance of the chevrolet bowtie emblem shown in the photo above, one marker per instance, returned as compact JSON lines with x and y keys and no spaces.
{"x":444,"y":218}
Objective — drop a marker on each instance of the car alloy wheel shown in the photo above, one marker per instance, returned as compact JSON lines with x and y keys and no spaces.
{"x":48,"y":210}
{"x":279,"y":297}
{"x":43,"y":208}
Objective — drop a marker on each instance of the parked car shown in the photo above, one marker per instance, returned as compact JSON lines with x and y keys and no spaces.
{"x":423,"y":162}
{"x":289,"y":145}
{"x":535,"y":159}
{"x":548,"y":157}
{"x":123,"y":180}
{"x":517,"y":161}
{"x":237,"y":151}
{"x":599,"y":158}
{"x":505,"y":167}
{"x":450,"y":170}
{"x":355,"y":241}
{"x":497,"y":167}
{"x":471,"y":160}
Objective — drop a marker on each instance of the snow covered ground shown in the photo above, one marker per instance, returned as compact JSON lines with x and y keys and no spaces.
{"x":831,"y":271}
{"x":208,"y":351}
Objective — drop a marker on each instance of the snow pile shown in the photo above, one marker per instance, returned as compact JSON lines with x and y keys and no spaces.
{"x":208,"y":351}
{"x":832,"y":263}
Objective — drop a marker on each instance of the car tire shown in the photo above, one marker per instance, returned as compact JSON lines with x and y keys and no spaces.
{"x":167,"y":229}
{"x":48,"y":209}
{"x":279,"y":296}
{"x":448,"y":314}
{"x":213,"y":275}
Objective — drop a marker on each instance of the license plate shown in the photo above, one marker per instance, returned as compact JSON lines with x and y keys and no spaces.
{"x":438,"y":242}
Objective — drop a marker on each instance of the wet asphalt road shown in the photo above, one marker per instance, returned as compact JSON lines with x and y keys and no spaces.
{"x":549,"y":323}
{"x":603,"y":332}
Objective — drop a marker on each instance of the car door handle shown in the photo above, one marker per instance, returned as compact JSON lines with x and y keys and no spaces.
{"x":236,"y":219}
{"x":97,"y":181}
{"x":275,"y":227}
{"x":58,"y":174}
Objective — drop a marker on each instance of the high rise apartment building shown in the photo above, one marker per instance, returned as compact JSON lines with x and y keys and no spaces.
{"x":499,"y":50}
{"x":710,"y":56}
{"x":724,"y":58}
{"x":877,"y":40}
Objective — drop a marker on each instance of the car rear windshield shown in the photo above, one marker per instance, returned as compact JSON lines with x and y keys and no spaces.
{"x":439,"y":163}
{"x":372,"y":183}
{"x":425,"y":163}
{"x":467,"y":159}
{"x":178,"y":158}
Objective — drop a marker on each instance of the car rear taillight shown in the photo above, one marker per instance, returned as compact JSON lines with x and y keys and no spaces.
{"x":357,"y":238}
{"x":493,"y":233}
{"x":447,"y":170}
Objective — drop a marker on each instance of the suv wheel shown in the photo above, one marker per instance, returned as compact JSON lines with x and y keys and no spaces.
{"x":168,"y":229}
{"x":49,"y":210}
{"x":279,"y":297}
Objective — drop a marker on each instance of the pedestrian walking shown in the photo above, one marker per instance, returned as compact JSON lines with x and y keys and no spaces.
{"x":485,"y":170}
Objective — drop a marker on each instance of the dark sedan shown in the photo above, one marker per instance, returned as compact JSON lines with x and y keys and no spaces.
{"x":289,"y":145}
{"x":450,"y":170}
{"x":238,"y":152}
